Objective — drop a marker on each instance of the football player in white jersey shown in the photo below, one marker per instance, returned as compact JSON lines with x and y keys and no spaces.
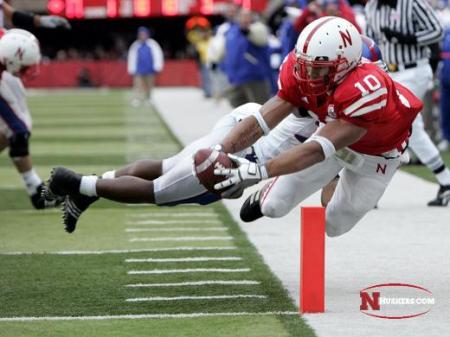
{"x":29,"y":20}
{"x":19,"y":56}
{"x":171,"y":181}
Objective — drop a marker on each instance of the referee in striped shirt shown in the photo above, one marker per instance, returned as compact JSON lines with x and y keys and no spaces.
{"x":404,"y":29}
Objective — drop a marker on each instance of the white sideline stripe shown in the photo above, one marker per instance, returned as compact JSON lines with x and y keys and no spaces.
{"x":175,"y":215}
{"x":180,"y":298}
{"x":196,"y":283}
{"x":168,"y":222}
{"x":190,"y":270}
{"x":156,"y":206}
{"x":122,"y":251}
{"x":176,"y":229}
{"x":187,"y":259}
{"x":144,"y":316}
{"x":183,"y":238}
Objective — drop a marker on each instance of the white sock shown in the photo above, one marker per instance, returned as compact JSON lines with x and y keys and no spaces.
{"x":443,"y":177}
{"x":109,"y":175}
{"x":32,"y":181}
{"x":88,"y":186}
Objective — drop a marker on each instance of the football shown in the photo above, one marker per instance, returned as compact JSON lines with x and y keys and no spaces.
{"x":205,"y":162}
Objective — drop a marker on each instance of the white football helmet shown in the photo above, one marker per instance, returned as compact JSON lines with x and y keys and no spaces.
{"x":19,"y":51}
{"x":326,"y":50}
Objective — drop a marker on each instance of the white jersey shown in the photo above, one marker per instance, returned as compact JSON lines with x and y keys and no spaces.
{"x":178,"y":184}
{"x":16,"y":116}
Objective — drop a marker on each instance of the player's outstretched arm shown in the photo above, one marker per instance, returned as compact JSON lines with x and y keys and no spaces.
{"x":331,"y":138}
{"x":28,"y":20}
{"x":247,"y":132}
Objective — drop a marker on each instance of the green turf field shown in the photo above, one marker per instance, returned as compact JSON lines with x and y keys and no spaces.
{"x":126,"y":271}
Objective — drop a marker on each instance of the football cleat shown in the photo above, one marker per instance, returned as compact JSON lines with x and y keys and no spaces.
{"x":42,"y":200}
{"x":63,"y":182}
{"x":251,"y":209}
{"x":73,"y":207}
{"x":442,"y":198}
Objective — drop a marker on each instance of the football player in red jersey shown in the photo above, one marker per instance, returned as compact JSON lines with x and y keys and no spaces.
{"x":366,"y":120}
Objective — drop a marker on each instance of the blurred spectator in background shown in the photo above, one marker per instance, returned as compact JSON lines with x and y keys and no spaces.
{"x":247,"y":60}
{"x":199,"y":34}
{"x":444,"y":77}
{"x":287,"y":33}
{"x":84,"y":79}
{"x":319,"y":8}
{"x":145,"y":60}
{"x":216,"y":52}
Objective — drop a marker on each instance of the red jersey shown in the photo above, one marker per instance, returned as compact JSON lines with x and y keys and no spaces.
{"x":368,"y":97}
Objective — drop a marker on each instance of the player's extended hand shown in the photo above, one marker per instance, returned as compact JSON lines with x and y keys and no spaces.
{"x":247,"y":172}
{"x":54,"y":21}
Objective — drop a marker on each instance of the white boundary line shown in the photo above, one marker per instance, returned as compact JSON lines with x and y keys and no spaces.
{"x":195,"y":283}
{"x":170,"y":222}
{"x":176,"y":229}
{"x":182,"y":298}
{"x":144,"y":316}
{"x":174,"y":215}
{"x":183,"y":238}
{"x":121,"y":251}
{"x":189,"y":270}
{"x":187,"y":259}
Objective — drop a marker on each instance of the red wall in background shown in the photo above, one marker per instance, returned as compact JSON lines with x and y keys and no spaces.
{"x":63,"y":74}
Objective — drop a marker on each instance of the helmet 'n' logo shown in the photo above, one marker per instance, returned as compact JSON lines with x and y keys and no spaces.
{"x":346,"y":37}
{"x":19,"y":53}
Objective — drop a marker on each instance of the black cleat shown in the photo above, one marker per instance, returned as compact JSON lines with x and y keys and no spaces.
{"x":442,"y":198}
{"x":251,"y":209}
{"x":63,"y":182}
{"x":73,"y":207}
{"x":43,"y":200}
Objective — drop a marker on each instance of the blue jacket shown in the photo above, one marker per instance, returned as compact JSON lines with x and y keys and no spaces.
{"x":245,"y":62}
{"x":145,"y":58}
{"x":445,"y":53}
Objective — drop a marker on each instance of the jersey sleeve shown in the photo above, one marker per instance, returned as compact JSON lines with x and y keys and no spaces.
{"x":362,"y":99}
{"x":288,"y":88}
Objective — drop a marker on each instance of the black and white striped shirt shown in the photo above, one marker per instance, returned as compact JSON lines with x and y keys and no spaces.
{"x":412,"y":17}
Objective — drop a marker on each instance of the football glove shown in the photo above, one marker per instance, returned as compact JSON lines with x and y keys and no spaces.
{"x":53,"y":21}
{"x":247,"y":173}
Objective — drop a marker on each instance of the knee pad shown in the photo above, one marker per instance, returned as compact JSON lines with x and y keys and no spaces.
{"x":19,"y":145}
{"x":274,"y":208}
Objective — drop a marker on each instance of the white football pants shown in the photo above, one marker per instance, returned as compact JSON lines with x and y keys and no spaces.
{"x":357,"y":191}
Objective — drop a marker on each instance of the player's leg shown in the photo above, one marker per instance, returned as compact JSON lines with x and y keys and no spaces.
{"x":176,"y":183}
{"x":281,"y":195}
{"x":19,"y":153}
{"x":358,"y":192}
{"x":429,"y":155}
{"x":417,"y":80}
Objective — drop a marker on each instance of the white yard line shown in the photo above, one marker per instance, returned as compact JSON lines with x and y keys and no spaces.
{"x":170,"y":222}
{"x":189,"y":270}
{"x":174,"y":215}
{"x":181,"y":298}
{"x":176,"y":229}
{"x":187,"y":259}
{"x":195,"y":283}
{"x":145,"y":316}
{"x":185,"y":238}
{"x":122,"y":251}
